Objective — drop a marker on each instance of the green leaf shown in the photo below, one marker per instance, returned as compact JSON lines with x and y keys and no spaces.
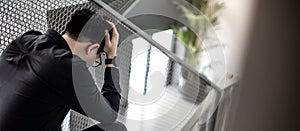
{"x":199,"y":23}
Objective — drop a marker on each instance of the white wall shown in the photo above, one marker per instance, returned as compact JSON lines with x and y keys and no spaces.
{"x":234,"y":26}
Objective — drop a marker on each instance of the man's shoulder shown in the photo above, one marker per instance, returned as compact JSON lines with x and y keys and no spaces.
{"x":32,"y":32}
{"x":50,"y":45}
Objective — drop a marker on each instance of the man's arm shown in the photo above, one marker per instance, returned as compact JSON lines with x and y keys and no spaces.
{"x":101,"y":106}
{"x":107,"y":103}
{"x":111,"y":88}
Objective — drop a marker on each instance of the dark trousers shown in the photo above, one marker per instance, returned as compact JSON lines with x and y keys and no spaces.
{"x":116,"y":126}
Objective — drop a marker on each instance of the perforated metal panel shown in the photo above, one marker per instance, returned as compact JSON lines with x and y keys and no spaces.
{"x":119,"y":5}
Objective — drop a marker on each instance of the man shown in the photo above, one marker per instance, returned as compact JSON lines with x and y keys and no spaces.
{"x":43,"y":76}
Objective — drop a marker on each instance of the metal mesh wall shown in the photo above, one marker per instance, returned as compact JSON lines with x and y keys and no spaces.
{"x":119,"y":5}
{"x":20,"y":16}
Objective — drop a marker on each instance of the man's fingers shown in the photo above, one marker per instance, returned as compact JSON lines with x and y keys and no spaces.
{"x":113,"y":41}
{"x":111,"y":24}
{"x":115,"y":31}
{"x":107,"y":37}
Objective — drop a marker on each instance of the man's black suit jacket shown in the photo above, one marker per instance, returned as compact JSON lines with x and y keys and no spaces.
{"x":41,"y":80}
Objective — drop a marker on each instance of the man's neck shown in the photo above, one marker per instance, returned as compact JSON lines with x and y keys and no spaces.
{"x":70,"y":41}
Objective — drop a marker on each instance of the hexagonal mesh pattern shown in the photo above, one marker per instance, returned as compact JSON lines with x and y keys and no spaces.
{"x":19,"y":16}
{"x":119,"y":5}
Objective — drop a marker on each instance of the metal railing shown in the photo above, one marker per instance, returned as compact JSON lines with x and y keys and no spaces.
{"x":147,"y":37}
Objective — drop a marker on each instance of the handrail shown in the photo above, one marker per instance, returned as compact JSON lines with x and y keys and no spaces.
{"x":147,"y":37}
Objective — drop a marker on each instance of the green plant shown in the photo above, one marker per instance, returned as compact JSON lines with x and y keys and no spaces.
{"x":199,"y":22}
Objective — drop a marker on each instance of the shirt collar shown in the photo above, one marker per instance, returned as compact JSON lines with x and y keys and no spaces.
{"x":58,"y":38}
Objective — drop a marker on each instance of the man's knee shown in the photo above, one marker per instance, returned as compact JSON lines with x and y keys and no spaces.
{"x":121,"y":126}
{"x":116,"y":126}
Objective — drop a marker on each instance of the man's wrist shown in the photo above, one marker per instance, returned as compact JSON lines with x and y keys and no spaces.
{"x":112,"y":62}
{"x":110,"y":56}
{"x":109,"y":65}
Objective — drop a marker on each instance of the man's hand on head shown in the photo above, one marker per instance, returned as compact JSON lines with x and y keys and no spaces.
{"x":111,"y":44}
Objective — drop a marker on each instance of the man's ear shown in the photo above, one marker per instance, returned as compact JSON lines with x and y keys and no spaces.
{"x":93,"y":48}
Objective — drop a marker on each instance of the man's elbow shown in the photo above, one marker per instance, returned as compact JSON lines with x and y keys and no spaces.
{"x":112,"y":118}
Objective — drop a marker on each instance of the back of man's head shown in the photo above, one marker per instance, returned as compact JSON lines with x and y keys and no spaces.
{"x":88,"y":24}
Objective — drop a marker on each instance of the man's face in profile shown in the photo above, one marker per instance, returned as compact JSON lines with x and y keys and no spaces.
{"x":87,"y":50}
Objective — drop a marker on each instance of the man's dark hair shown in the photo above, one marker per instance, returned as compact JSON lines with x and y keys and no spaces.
{"x":88,"y":24}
